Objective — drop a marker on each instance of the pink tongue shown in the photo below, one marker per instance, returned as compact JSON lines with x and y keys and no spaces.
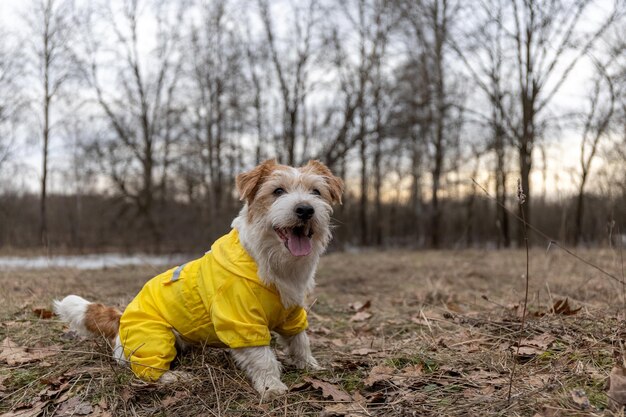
{"x":298,"y":245}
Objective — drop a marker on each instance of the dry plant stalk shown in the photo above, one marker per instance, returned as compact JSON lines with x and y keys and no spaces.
{"x":521,"y":198}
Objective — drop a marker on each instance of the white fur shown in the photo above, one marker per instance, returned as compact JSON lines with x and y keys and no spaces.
{"x":118,"y":351}
{"x":72,"y":310}
{"x":263,"y":369}
{"x":299,"y":352}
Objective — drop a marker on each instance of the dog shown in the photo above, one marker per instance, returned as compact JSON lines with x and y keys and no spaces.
{"x":252,"y":282}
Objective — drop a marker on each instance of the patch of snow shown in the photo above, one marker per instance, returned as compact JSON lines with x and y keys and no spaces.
{"x":96,"y":261}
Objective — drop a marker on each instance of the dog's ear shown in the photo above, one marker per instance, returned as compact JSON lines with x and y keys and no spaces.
{"x":335,"y":184}
{"x":248,"y":183}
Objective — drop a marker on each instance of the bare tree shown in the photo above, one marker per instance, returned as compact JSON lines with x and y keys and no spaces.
{"x":11,"y":97}
{"x":257,"y":60}
{"x":430,"y":25}
{"x":141,"y":108}
{"x":292,"y":74}
{"x":218,"y":102}
{"x":340,"y":120}
{"x":50,"y":37}
{"x":481,"y":49}
{"x":411,"y":122}
{"x":548,"y":44}
{"x":372,"y":21}
{"x":596,"y":126}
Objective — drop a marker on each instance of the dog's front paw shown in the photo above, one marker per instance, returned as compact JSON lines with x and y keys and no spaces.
{"x":270,"y":388}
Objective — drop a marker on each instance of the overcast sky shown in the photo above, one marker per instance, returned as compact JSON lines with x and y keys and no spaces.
{"x":562,"y":150}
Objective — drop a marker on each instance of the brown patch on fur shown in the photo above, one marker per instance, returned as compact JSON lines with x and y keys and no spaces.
{"x":100,"y":319}
{"x":260,"y":205}
{"x":248,"y":183}
{"x":335,"y":184}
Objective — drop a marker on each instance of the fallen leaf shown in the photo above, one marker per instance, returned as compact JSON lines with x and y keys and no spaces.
{"x":52,"y":392}
{"x":99,"y":412}
{"x":75,"y":406}
{"x":361,"y":316}
{"x":548,"y":411}
{"x":343,"y":410}
{"x":173,"y":399}
{"x":103,"y":403}
{"x":617,"y":388}
{"x":455,"y":307}
{"x":2,"y":379}
{"x":318,"y":317}
{"x":320,"y":330}
{"x":33,"y":410}
{"x":379,"y":373}
{"x":360,"y":305}
{"x":562,"y":307}
{"x":535,"y":345}
{"x":13,"y":354}
{"x":359,"y":398}
{"x":378,"y":397}
{"x":407,"y":376}
{"x":83,"y":370}
{"x":329,"y":390}
{"x":63,"y":397}
{"x":338,"y":342}
{"x":349,"y":364}
{"x":363,"y":351}
{"x":127,"y":394}
{"x":580,"y":399}
{"x":528,"y":351}
{"x":413,"y":371}
{"x":300,"y":386}
{"x":43,"y":313}
{"x":542,"y":341}
{"x":13,"y":323}
{"x":488,"y":378}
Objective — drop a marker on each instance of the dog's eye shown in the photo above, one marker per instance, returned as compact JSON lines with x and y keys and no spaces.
{"x":316,"y":191}
{"x":279,"y":191}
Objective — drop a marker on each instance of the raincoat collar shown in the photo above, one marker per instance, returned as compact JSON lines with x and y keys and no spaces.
{"x":232,"y":256}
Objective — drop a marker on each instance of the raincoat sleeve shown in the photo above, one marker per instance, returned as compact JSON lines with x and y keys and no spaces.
{"x":295,"y":323}
{"x":238,"y":317}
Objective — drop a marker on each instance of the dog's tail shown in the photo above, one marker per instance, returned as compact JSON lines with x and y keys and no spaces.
{"x":88,"y":318}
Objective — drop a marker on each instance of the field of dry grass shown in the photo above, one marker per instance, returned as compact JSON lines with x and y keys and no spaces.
{"x":399,"y":334}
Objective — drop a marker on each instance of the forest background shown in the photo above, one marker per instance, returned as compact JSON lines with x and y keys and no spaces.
{"x":124,"y":123}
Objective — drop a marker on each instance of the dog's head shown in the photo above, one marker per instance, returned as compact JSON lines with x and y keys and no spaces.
{"x":292,"y":205}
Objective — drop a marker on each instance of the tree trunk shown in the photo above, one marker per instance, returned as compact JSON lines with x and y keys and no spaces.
{"x":378,"y":176}
{"x":502,"y":217}
{"x":440,"y":26}
{"x":43,"y":215}
{"x":416,"y":199}
{"x":363,"y":197}
{"x":43,"y":230}
{"x":435,"y":217}
{"x":291,"y":136}
{"x":580,"y":207}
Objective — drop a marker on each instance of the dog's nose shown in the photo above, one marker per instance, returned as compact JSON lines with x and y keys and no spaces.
{"x":304,"y":211}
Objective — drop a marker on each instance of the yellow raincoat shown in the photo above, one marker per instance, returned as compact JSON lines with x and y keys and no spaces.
{"x":217,"y":300}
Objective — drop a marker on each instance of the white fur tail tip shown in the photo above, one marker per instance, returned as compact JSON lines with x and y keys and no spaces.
{"x":72,"y":310}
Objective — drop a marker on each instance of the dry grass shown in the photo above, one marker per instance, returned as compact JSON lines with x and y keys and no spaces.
{"x":440,"y":341}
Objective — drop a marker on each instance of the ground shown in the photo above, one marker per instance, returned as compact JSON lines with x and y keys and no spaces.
{"x":399,"y":334}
